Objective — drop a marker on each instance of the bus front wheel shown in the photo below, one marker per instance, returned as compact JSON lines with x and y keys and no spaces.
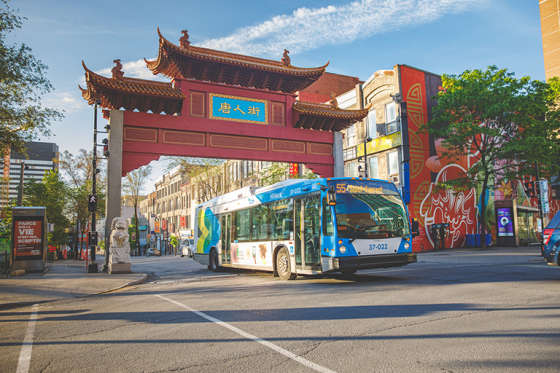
{"x":213,"y":262}
{"x":283,"y":265}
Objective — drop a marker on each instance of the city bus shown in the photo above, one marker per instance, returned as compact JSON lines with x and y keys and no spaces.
{"x":306,"y":227}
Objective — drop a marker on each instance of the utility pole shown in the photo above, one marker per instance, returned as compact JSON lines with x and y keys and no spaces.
{"x":20,"y":194}
{"x":93,"y":268}
{"x":538,"y":190}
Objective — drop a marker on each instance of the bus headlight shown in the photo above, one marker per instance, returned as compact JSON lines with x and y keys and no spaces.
{"x":406,"y":245}
{"x":342,"y":249}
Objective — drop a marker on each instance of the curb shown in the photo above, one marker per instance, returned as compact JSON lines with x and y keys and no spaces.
{"x":25,"y":304}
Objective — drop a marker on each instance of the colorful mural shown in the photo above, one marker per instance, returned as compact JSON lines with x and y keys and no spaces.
{"x":428,"y":166}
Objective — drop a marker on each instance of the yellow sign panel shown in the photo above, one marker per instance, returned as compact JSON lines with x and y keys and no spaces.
{"x":381,"y":143}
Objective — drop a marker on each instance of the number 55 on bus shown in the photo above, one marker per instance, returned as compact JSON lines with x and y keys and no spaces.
{"x":306,"y":227}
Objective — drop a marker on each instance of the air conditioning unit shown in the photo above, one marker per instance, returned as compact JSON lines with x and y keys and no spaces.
{"x":394,"y":178}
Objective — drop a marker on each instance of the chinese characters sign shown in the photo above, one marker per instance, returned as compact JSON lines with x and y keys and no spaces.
{"x":238,"y":109}
{"x":28,"y":238}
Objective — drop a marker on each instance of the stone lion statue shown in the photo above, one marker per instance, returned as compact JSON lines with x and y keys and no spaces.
{"x":120,"y":247}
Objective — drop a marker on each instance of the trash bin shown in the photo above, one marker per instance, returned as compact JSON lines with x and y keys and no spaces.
{"x":470,"y":240}
{"x":487,"y":241}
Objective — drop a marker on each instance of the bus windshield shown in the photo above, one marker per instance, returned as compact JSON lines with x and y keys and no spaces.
{"x":369,"y":209}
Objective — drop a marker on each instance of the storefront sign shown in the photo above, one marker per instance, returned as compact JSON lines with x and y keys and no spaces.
{"x":381,"y":143}
{"x":164,"y":225}
{"x":156,"y":225}
{"x":238,"y":109}
{"x":183,"y":221}
{"x":505,"y":221}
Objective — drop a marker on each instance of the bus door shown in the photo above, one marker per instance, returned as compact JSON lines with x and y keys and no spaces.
{"x":226,"y":239}
{"x":307,"y":226}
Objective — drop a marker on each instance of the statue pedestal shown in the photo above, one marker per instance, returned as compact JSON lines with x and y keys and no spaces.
{"x":117,"y":268}
{"x":119,"y":260}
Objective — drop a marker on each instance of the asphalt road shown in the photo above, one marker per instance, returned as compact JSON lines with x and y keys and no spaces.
{"x":441,"y":314}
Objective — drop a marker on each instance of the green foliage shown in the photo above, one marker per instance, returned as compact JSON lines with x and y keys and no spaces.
{"x":51,"y":192}
{"x":500,"y":124}
{"x":132,"y":187}
{"x":131,"y":232}
{"x":174,"y":241}
{"x":22,"y":83}
{"x":278,"y":172}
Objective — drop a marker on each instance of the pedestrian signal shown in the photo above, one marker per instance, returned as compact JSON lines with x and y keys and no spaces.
{"x":92,"y":203}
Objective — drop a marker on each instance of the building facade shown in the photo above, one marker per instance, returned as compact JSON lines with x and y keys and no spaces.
{"x":40,"y":157}
{"x":550,"y":30}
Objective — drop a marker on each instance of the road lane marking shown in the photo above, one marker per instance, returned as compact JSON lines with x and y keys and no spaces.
{"x":272,"y":346}
{"x":25,"y":354}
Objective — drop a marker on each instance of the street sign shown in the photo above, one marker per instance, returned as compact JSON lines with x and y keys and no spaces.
{"x":543,"y":186}
{"x":92,"y":203}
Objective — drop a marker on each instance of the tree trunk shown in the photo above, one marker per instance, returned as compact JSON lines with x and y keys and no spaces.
{"x":483,"y":213}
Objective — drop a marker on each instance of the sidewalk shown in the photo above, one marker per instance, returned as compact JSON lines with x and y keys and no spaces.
{"x":65,"y":279}
{"x":493,"y":255}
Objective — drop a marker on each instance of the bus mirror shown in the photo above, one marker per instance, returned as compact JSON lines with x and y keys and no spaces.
{"x":415,"y":228}
{"x":331,"y":197}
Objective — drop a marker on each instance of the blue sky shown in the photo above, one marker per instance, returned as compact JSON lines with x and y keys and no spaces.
{"x":358,"y":38}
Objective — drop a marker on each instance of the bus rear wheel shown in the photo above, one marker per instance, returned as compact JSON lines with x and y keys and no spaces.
{"x":283,"y":265}
{"x":213,"y":262}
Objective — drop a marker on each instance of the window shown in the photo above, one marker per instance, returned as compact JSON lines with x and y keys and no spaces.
{"x":351,"y":135}
{"x":261,"y":229}
{"x":372,"y":125}
{"x":281,"y":220}
{"x":391,"y":117}
{"x":393,"y":163}
{"x":373,"y":170}
{"x":242,"y":221}
{"x":351,"y":169}
{"x":349,"y":153}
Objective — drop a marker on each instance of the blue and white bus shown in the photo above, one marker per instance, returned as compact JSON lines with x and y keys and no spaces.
{"x":306,"y":227}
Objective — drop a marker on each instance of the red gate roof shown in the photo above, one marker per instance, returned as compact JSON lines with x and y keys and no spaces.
{"x":132,"y":94}
{"x":190,"y":62}
{"x":326,"y":117}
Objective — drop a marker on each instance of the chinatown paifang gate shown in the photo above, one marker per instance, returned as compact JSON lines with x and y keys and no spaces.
{"x":218,"y":105}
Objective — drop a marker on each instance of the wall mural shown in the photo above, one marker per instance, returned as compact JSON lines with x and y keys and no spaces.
{"x":428,"y":167}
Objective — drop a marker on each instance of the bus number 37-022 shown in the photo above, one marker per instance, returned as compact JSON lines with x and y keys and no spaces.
{"x":381,"y":246}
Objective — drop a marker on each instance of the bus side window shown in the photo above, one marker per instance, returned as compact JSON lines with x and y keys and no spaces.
{"x":328,"y":227}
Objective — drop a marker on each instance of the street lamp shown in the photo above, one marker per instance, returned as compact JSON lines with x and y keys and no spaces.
{"x":366,"y":140}
{"x":20,"y":191}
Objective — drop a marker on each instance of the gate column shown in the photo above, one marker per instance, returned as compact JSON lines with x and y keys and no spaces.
{"x":338,"y":155}
{"x":114,"y":174}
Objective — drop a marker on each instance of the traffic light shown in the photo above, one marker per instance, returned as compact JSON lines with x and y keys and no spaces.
{"x":530,"y":189}
{"x":92,"y":203}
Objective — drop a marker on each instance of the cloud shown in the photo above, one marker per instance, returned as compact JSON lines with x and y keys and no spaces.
{"x":65,"y":101}
{"x":307,"y":29}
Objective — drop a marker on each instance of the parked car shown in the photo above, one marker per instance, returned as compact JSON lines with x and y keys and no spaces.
{"x":185,"y":248}
{"x":551,"y":236}
{"x":153,"y":252}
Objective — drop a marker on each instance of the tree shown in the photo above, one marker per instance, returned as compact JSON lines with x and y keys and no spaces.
{"x":132,"y":186}
{"x":203,"y":172}
{"x":51,"y":192}
{"x":277,"y":172}
{"x":78,"y":171}
{"x":503,"y":124}
{"x":22,"y":84}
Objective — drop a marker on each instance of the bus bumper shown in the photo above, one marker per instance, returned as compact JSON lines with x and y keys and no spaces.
{"x":372,"y":262}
